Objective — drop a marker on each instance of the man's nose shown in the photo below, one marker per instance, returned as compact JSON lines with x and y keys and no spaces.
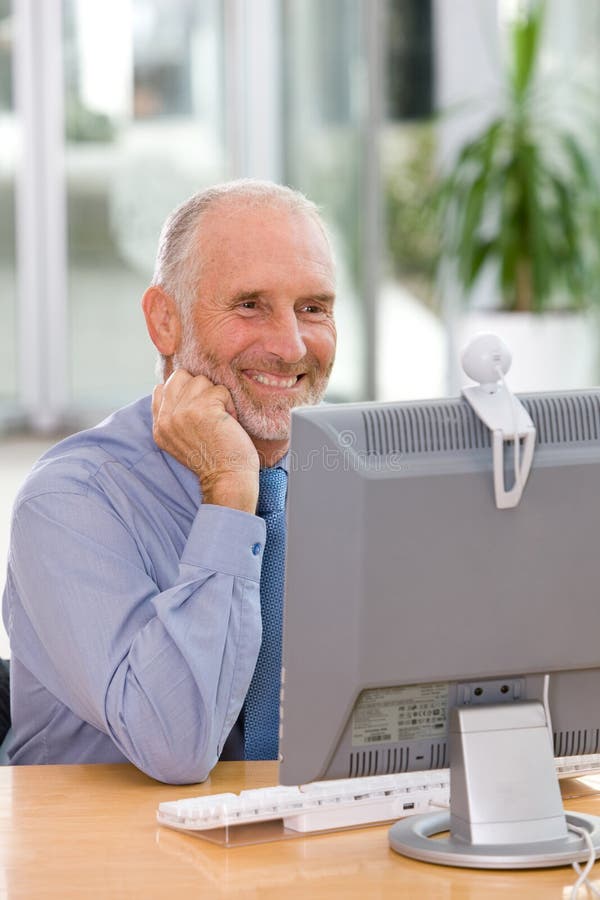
{"x":283,"y":337}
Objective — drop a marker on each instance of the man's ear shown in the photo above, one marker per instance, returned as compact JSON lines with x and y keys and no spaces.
{"x":162,"y":320}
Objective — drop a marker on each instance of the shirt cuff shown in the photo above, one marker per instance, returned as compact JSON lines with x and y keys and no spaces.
{"x":226,"y":540}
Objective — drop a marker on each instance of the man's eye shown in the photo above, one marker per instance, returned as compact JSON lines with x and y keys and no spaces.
{"x":314,"y":309}
{"x":248,"y":304}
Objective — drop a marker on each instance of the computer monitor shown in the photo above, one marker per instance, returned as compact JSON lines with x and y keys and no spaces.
{"x":409,"y":594}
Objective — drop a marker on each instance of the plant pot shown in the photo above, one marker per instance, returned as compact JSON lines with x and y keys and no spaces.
{"x":411,"y":347}
{"x":550,"y":351}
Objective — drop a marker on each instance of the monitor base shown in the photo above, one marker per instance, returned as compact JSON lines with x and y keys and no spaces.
{"x":415,"y":837}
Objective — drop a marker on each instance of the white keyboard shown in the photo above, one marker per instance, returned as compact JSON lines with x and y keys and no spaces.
{"x":325,"y":805}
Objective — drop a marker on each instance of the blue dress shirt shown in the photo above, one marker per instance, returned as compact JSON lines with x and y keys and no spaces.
{"x":133,"y":609}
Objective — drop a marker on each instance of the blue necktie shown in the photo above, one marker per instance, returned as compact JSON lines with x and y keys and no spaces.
{"x":261,"y":709}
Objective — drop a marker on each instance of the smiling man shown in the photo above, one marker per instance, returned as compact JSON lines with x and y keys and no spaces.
{"x":145,"y":583}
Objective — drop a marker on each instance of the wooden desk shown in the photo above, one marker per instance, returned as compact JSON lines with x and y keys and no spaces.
{"x":90,"y":831}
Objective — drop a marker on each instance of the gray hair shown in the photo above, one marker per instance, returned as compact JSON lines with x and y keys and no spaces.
{"x":178,"y":264}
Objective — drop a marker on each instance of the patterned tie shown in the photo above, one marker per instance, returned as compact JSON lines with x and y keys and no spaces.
{"x":261,"y":709}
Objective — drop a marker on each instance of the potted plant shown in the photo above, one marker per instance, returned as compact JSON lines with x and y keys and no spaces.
{"x":522,"y":202}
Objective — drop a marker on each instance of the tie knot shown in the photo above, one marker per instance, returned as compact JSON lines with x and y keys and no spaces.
{"x":272,"y":487}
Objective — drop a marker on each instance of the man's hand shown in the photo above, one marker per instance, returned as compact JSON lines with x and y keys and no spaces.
{"x":195,"y":421}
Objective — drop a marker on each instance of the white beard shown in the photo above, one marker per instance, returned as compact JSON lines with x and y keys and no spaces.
{"x":264,"y":421}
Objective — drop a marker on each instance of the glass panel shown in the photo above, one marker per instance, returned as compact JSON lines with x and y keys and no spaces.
{"x":8,"y":156}
{"x":144,"y":106}
{"x":323,"y":78}
{"x":411,"y":351}
{"x":537,"y":287}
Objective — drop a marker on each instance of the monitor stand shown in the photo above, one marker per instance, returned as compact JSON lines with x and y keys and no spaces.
{"x":506,"y":811}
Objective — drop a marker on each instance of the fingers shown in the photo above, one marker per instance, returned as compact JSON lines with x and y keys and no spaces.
{"x":220,"y":394}
{"x":176,"y":384}
{"x":181,"y":385}
{"x":184,"y":403}
{"x":179,"y":388}
{"x":195,"y":421}
{"x":157,"y":395}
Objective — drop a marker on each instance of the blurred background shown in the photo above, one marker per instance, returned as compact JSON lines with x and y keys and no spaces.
{"x":451,"y":144}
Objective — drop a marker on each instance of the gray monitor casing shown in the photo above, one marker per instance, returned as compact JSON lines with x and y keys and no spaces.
{"x":401,"y":571}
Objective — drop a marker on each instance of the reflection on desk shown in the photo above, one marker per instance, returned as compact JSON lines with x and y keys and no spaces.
{"x":90,"y":831}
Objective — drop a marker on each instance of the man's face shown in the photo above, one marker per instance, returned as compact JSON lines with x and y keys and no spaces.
{"x":263,"y":323}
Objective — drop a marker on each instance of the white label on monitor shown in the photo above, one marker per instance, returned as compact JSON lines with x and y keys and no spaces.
{"x":412,"y":712}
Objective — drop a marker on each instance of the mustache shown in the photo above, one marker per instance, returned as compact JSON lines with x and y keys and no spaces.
{"x":213,"y":368}
{"x":275,"y":365}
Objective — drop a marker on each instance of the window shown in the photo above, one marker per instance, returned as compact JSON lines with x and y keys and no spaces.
{"x":142,"y":134}
{"x":9,"y":138}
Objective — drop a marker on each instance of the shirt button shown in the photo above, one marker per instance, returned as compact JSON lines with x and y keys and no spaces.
{"x":256,"y":548}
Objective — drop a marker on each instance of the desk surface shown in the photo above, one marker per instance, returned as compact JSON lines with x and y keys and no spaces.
{"x":90,"y":831}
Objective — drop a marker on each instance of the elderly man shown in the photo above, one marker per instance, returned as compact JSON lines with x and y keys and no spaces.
{"x":146,"y":565}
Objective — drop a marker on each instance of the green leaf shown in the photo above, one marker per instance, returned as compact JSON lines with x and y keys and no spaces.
{"x":482,"y":252}
{"x":525,"y":192}
{"x":524,"y":39}
{"x":578,"y":161}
